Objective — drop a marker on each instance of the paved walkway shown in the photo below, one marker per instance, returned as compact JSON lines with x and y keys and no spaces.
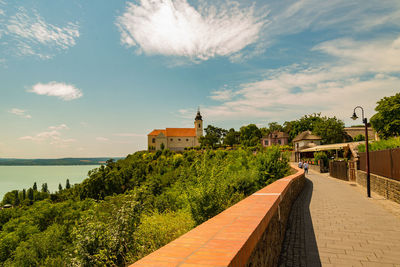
{"x":333,"y":223}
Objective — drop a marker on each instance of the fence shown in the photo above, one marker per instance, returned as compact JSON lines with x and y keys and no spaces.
{"x":338,"y":169}
{"x":384,"y":163}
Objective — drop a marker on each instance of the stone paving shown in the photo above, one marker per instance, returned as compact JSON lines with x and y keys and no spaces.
{"x":333,"y":223}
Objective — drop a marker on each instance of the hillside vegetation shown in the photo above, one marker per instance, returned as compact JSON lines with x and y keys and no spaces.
{"x":128,"y":208}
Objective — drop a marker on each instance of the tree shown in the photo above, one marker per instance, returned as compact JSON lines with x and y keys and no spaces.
{"x":162,"y":146}
{"x":45,"y":188}
{"x":250,"y":135}
{"x":67,"y":184}
{"x":16,"y":198}
{"x":232,"y":137}
{"x":387,"y":119}
{"x":331,"y":130}
{"x":30,"y":194}
{"x":34,"y":186}
{"x":24,"y":194}
{"x":59,"y":187}
{"x":214,"y":136}
{"x":359,"y":137}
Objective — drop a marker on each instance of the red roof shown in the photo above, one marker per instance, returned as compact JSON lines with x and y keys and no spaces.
{"x":157,"y":132}
{"x":171,"y":132}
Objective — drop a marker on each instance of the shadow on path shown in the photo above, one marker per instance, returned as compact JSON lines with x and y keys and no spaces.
{"x":299,"y":247}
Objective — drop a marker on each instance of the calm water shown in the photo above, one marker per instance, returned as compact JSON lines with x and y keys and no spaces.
{"x":20,"y":177}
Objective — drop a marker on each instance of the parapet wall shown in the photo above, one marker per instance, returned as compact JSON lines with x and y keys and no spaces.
{"x":383,"y":186}
{"x":250,"y":233}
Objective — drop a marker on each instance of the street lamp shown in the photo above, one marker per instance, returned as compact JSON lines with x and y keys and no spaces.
{"x":354,"y":117}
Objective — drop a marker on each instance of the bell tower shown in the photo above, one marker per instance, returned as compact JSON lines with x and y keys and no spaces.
{"x":198,"y":124}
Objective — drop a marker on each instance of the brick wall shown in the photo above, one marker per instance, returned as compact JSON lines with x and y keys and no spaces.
{"x":385,"y":187}
{"x":250,"y":233}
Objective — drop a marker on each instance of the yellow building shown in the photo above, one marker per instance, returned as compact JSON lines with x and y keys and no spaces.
{"x":176,"y":139}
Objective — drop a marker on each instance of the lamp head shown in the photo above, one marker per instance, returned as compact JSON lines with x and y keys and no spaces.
{"x":354,"y":117}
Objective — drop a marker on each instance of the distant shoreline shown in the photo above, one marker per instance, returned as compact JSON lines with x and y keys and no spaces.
{"x":56,"y":162}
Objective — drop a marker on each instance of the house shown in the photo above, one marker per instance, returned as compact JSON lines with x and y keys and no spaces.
{"x":303,"y":141}
{"x":176,"y":139}
{"x":275,"y":138}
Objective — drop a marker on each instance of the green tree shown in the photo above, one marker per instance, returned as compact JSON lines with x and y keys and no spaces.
{"x":60,"y":187}
{"x":232,"y":137}
{"x":250,"y":135}
{"x":331,"y":130}
{"x":30,"y":194}
{"x":359,"y":137}
{"x":162,"y":146}
{"x":213,"y":137}
{"x":24,"y":194}
{"x":34,"y":186}
{"x":45,"y":188}
{"x":67,"y":184}
{"x":387,"y":119}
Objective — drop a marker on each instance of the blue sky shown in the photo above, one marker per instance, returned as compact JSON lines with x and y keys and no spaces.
{"x":92,"y":78}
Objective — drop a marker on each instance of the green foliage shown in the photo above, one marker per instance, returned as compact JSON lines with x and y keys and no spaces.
{"x":393,"y":142}
{"x":232,"y":137}
{"x":158,"y":229}
{"x":387,"y":119}
{"x":128,"y":208}
{"x":213,"y":137}
{"x":321,"y":156}
{"x":250,"y":135}
{"x":331,"y":130}
{"x":359,"y":137}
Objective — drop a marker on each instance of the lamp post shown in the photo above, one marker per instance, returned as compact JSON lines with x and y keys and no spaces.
{"x":354,"y":117}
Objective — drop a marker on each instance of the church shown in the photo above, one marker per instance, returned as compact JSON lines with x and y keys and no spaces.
{"x":176,"y":139}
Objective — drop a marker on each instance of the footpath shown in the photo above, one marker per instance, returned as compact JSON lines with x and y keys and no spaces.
{"x":333,"y":223}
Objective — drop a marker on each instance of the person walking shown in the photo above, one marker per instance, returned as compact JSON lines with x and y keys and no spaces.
{"x":305,"y":167}
{"x":300,"y":164}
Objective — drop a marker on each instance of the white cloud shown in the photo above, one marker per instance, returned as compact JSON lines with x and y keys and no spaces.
{"x":360,"y":74}
{"x":20,"y":112}
{"x":30,"y":34}
{"x":59,"y":127}
{"x":175,"y":28}
{"x":52,"y":137}
{"x":101,"y":139}
{"x":222,"y":95}
{"x":61,"y":90}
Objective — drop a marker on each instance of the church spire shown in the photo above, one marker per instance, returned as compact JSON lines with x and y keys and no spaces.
{"x":198,"y":115}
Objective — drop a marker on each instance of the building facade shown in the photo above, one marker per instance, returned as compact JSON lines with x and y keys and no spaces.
{"x":303,"y":141}
{"x":275,"y":138}
{"x":176,"y":139}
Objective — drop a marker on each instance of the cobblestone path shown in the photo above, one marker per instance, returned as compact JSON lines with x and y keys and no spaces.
{"x":333,"y":223}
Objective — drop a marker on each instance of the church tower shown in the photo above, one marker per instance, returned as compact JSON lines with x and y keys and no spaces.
{"x":198,"y":125}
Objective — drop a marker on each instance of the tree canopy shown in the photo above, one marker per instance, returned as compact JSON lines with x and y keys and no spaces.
{"x":387,"y":119}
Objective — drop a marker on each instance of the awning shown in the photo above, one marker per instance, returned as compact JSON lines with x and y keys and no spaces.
{"x":330,"y":147}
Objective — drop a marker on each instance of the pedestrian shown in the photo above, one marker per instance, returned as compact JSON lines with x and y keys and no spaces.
{"x":305,"y":167}
{"x":300,"y":164}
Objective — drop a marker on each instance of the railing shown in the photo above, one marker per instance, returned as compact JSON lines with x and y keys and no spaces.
{"x":250,"y":232}
{"x":384,"y":163}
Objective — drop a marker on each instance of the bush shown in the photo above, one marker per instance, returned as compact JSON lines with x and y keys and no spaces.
{"x":393,"y":142}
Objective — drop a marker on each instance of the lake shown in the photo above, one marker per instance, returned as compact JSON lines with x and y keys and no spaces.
{"x":20,"y":177}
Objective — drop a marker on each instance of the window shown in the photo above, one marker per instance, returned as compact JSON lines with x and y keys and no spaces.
{"x":266,"y":142}
{"x":199,"y":125}
{"x":153,"y":140}
{"x":171,"y":139}
{"x":279,"y":141}
{"x":187,"y":140}
{"x":179,"y":139}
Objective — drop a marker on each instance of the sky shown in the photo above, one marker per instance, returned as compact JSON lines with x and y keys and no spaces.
{"x":93,"y":78}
